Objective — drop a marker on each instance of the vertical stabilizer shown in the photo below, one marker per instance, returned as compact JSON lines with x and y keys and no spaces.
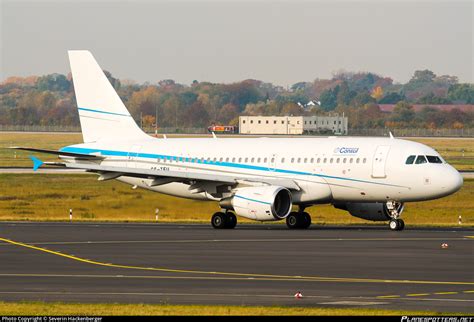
{"x":102,"y":113}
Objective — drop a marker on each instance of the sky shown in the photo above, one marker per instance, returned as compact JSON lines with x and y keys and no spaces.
{"x":282,"y":42}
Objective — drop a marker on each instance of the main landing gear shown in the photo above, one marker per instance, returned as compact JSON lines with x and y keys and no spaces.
{"x":224,"y":220}
{"x":395,"y":209}
{"x":298,"y":220}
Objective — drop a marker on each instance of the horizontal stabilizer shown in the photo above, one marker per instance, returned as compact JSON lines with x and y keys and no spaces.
{"x":36,"y":162}
{"x":68,"y":154}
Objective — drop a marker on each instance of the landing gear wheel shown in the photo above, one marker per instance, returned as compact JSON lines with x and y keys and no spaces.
{"x":218,"y":220}
{"x":292,"y":220}
{"x":393,"y":224}
{"x":231,"y":220}
{"x":396,"y":224}
{"x":296,"y":220}
{"x":306,"y":220}
{"x":401,"y":224}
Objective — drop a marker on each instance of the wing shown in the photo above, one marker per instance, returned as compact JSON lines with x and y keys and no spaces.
{"x":160,"y":175}
{"x":197,"y":181}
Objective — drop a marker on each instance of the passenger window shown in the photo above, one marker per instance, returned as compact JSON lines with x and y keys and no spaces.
{"x":357,"y":160}
{"x":365,"y":160}
{"x":350,"y":160}
{"x":299,"y":160}
{"x":344,"y":160}
{"x":330,"y":161}
{"x":282,"y":160}
{"x":226,"y":159}
{"x":305,"y":160}
{"x":325,"y":160}
{"x":252,"y":160}
{"x":258,"y":160}
{"x":319,"y":160}
{"x":433,"y":159}
{"x":337,"y":160}
{"x":246,"y":160}
{"x":240,"y":160}
{"x":410,"y":159}
{"x":233,"y":160}
{"x":312,"y":160}
{"x":420,"y":159}
{"x":265,"y":160}
{"x":292,"y":160}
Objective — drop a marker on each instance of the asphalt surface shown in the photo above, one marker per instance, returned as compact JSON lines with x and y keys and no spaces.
{"x":368,"y":267}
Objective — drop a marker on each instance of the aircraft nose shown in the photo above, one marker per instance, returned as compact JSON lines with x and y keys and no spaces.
{"x":452,"y":181}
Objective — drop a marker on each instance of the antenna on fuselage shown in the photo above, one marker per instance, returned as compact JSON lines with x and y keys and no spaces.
{"x":164,"y":136}
{"x":214,"y":135}
{"x":391,"y":135}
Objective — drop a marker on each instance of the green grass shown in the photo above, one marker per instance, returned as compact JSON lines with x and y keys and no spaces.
{"x":61,"y":309}
{"x":14,"y":158}
{"x":50,"y":196}
{"x":458,"y":152}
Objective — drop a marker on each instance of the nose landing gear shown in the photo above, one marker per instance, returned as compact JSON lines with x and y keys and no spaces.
{"x":394,"y":210}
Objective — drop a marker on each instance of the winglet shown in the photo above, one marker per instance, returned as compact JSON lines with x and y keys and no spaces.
{"x":36,"y":162}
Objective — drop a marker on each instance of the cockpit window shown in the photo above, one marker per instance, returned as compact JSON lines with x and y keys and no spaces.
{"x":420,"y":159}
{"x":433,"y":159}
{"x":410,"y":159}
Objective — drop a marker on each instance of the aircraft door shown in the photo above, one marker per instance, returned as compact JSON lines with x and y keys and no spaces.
{"x":379,"y":161}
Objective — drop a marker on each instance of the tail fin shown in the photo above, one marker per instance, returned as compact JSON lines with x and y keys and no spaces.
{"x":101,"y":111}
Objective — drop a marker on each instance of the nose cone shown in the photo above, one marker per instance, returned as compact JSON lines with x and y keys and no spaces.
{"x":452,"y":181}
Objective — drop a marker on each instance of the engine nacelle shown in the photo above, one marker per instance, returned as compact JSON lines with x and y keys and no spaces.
{"x":375,"y":211}
{"x":264,"y":203}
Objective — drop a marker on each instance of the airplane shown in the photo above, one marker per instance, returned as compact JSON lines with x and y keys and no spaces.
{"x":261,"y":179}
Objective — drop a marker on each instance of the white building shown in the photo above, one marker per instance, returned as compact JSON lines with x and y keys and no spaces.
{"x":292,"y":124}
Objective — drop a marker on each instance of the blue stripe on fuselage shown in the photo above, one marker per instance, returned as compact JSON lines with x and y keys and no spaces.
{"x":217,"y":163}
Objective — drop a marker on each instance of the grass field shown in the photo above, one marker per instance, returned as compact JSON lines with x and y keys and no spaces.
{"x":458,"y":152}
{"x":50,"y":196}
{"x":60,"y":309}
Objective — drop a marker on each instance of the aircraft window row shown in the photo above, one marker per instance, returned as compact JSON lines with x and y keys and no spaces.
{"x":282,"y":160}
{"x":420,"y":159}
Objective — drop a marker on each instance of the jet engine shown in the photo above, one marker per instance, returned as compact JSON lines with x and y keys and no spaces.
{"x":375,"y":211}
{"x":263,"y":203}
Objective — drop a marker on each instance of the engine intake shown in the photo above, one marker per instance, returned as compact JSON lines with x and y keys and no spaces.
{"x":264,"y":203}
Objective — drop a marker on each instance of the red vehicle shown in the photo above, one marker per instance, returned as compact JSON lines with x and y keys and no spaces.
{"x":222,"y":128}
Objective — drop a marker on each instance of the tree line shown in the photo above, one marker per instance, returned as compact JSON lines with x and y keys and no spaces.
{"x":49,"y":100}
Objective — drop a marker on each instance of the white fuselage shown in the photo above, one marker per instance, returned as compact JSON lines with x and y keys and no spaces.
{"x":326,"y":170}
